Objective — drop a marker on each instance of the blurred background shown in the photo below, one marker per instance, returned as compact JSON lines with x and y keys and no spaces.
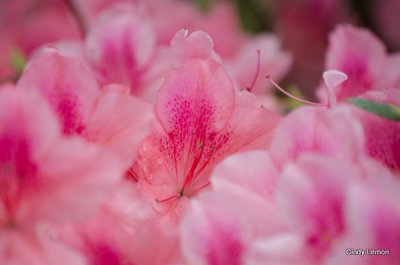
{"x":302,"y":25}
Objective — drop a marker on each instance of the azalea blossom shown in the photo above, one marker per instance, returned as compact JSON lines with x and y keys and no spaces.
{"x":201,"y":121}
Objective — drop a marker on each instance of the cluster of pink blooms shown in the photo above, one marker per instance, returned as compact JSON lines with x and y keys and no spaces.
{"x":155,"y":139}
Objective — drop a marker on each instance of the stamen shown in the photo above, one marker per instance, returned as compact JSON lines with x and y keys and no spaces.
{"x":292,"y":96}
{"x":131,"y":174}
{"x":251,"y":87}
{"x":332,"y":79}
{"x":200,"y":188}
{"x":168,"y":198}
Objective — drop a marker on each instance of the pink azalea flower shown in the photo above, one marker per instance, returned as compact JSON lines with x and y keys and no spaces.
{"x":106,"y":116}
{"x":43,"y":178}
{"x":202,"y":120}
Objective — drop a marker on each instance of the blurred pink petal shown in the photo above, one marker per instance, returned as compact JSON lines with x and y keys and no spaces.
{"x":221,"y":223}
{"x":68,"y":85}
{"x":360,"y":55}
{"x":382,"y":139}
{"x":115,"y":122}
{"x":40,"y":167}
{"x":120,"y":45}
{"x":311,"y":193}
{"x":284,"y":249}
{"x":330,"y":132}
{"x":373,"y":218}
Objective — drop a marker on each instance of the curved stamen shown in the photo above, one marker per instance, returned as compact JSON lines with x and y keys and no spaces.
{"x":168,"y":198}
{"x":251,"y":87}
{"x":294,"y":97}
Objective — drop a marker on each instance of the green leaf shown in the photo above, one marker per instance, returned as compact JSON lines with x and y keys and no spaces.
{"x":387,"y":111}
{"x":204,"y":5}
{"x":18,"y":60}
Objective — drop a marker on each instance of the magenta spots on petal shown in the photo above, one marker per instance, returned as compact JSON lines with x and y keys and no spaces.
{"x":383,"y":140}
{"x":193,"y":142}
{"x":68,"y":109}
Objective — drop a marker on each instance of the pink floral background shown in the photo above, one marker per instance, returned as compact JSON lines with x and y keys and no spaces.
{"x":168,"y":132}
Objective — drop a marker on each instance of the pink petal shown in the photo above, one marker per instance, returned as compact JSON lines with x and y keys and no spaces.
{"x":120,"y":44}
{"x":74,"y":169}
{"x":220,"y":223}
{"x":67,"y":84}
{"x":373,"y":218}
{"x":360,"y":55}
{"x":211,"y":238}
{"x":22,"y":143}
{"x":201,"y":86}
{"x":329,"y":132}
{"x":285,"y":249}
{"x":194,"y":104}
{"x":311,"y":192}
{"x":251,"y":126}
{"x":253,"y":171}
{"x":186,"y":47}
{"x":115,"y":122}
{"x":382,"y":139}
